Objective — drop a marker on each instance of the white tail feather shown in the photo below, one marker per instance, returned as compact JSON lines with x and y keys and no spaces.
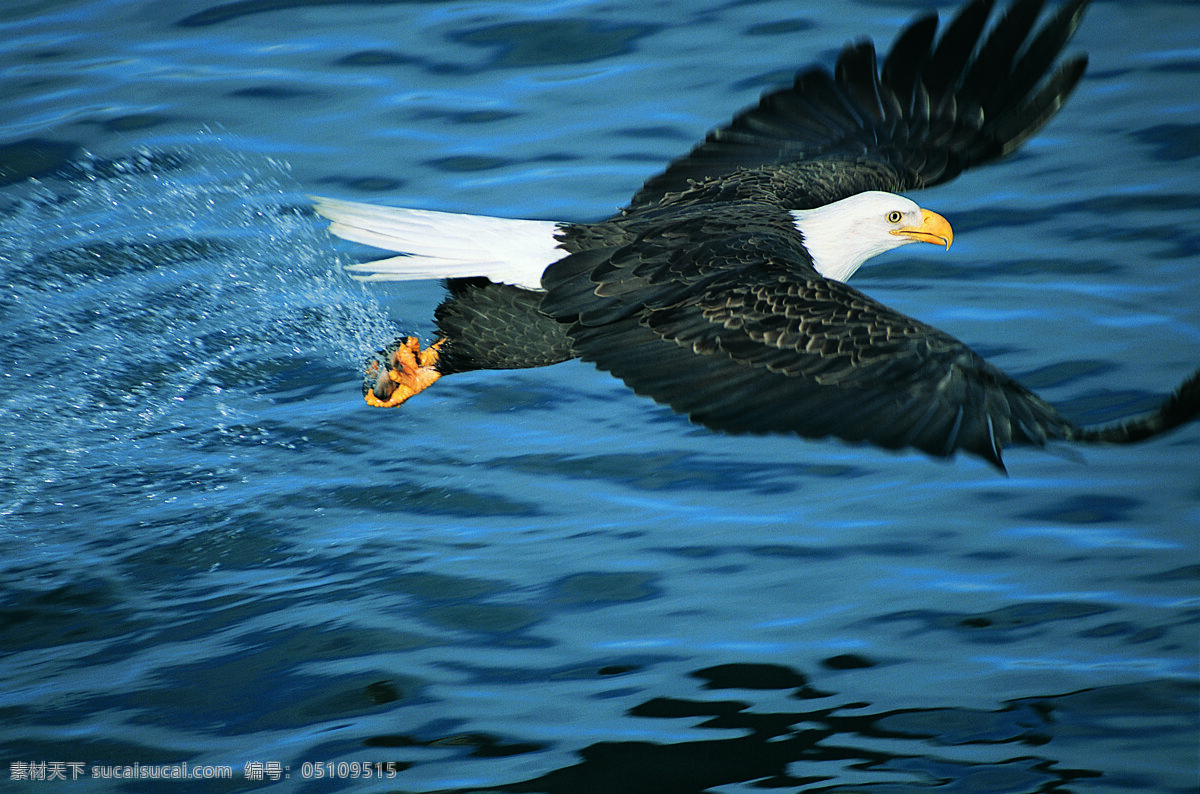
{"x":444,"y":244}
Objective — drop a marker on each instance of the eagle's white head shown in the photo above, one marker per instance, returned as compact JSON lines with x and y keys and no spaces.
{"x":842,"y":235}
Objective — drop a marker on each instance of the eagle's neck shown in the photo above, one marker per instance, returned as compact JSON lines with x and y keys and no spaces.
{"x":835,"y":250}
{"x":842,"y":235}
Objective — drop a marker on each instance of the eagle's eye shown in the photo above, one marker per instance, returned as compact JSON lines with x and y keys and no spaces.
{"x":894,"y":216}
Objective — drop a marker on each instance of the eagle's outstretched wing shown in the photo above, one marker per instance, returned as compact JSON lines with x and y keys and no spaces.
{"x":740,"y":339}
{"x":936,"y":106}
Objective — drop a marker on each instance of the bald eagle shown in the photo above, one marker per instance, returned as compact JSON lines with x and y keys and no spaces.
{"x":720,"y":289}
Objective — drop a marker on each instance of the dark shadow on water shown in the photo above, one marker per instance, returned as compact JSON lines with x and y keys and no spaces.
{"x":555,"y":41}
{"x":826,"y":746}
{"x":674,"y":471}
{"x":33,"y":157}
{"x":229,"y":12}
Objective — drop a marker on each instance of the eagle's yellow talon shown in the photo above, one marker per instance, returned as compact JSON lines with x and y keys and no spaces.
{"x":412,"y":370}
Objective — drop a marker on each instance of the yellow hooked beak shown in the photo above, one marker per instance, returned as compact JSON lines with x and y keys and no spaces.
{"x":933,"y":229}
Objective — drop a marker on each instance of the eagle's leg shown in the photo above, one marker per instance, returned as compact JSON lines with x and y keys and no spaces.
{"x":409,"y":370}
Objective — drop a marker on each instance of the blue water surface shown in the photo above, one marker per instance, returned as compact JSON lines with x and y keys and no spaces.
{"x":535,"y":581}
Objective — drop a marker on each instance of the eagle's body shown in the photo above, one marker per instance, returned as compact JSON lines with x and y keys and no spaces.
{"x":720,"y":289}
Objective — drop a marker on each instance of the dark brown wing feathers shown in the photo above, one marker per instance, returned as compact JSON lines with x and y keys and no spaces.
{"x":765,"y":349}
{"x":935,"y":108}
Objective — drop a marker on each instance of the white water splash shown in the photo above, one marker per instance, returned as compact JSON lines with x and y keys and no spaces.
{"x":167,"y":292}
